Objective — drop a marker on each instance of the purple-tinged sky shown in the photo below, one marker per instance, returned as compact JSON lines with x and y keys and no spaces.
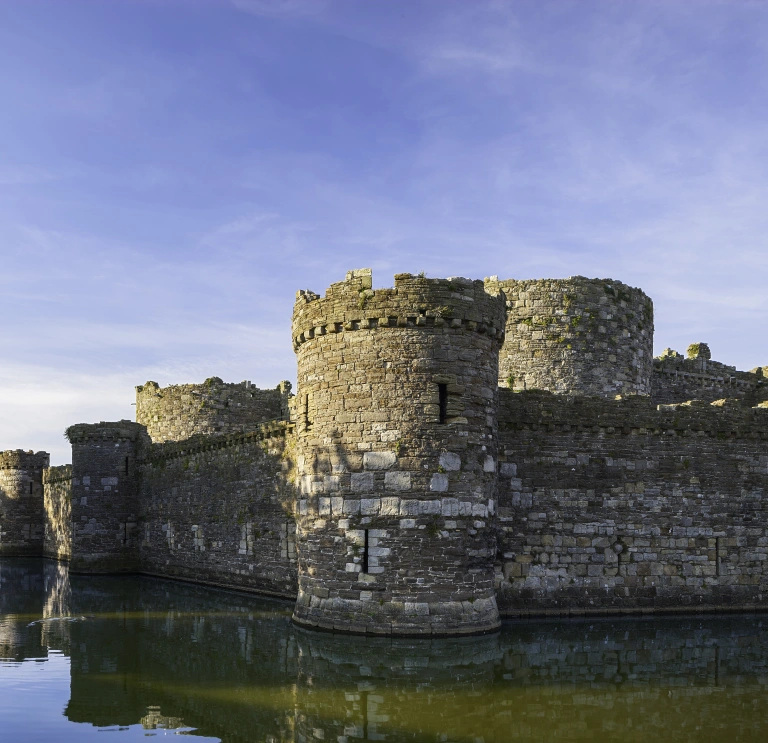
{"x":172,"y":171}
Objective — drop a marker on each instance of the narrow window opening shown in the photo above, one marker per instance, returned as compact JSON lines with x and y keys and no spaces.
{"x":126,"y":465}
{"x":365,"y":551}
{"x":442,"y":390}
{"x":307,"y":414}
{"x":31,"y":486}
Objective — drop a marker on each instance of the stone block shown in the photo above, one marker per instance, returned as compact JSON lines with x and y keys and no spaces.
{"x":390,"y":506}
{"x":450,"y":461}
{"x":397,"y":480}
{"x":362,"y":481}
{"x":351,"y":506}
{"x":449,"y":507}
{"x":379,"y":460}
{"x":439,"y":483}
{"x":429,"y":507}
{"x":370,"y":506}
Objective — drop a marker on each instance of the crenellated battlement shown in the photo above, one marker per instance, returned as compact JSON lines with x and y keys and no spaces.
{"x":696,"y":375}
{"x":15,"y":459}
{"x":105,"y":431}
{"x":414,"y":302}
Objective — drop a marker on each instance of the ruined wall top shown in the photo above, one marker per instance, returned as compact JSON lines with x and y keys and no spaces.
{"x":178,"y":412}
{"x":415,"y":301}
{"x":105,"y":431}
{"x":677,"y":378}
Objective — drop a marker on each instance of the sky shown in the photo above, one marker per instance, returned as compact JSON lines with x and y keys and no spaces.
{"x":173,"y":171}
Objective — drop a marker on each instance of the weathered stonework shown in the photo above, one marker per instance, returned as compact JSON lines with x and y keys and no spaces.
{"x":180,"y":411}
{"x":221,"y":512}
{"x":396,"y":452}
{"x":697,"y":377}
{"x":615,"y":505}
{"x":105,"y":496}
{"x":414,"y":486}
{"x":21,"y":502}
{"x":57,"y":504}
{"x":576,"y":336}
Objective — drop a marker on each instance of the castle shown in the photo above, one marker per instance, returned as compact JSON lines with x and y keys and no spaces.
{"x":456,"y":451}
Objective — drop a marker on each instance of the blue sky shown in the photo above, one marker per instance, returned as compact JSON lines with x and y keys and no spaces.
{"x":172,"y":171}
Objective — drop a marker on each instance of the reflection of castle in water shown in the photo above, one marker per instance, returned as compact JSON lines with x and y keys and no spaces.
{"x":166,"y":655}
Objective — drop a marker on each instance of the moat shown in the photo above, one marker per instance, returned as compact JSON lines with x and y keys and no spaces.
{"x":139,"y":656}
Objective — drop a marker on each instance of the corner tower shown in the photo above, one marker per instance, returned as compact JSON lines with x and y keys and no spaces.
{"x":576,"y":336}
{"x":396,"y":455}
{"x":105,"y":503}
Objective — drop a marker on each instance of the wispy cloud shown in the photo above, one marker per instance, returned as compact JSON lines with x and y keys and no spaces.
{"x":180,"y":169}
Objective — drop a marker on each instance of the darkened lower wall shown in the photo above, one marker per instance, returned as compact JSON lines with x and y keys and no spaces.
{"x":614,"y":505}
{"x":218,"y":511}
{"x":57,"y":503}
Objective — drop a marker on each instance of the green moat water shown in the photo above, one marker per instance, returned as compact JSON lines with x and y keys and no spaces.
{"x":140,"y":657}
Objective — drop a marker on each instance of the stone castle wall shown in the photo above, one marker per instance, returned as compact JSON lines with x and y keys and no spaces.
{"x":220,"y":511}
{"x":396,"y":446}
{"x":576,"y":336}
{"x":619,"y":506}
{"x":57,"y":503}
{"x":21,"y":502}
{"x":178,"y":412}
{"x":412,"y":491}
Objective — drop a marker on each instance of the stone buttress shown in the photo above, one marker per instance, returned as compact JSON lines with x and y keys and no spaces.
{"x":396,"y":455}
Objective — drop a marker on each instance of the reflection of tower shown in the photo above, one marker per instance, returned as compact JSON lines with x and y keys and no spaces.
{"x":576,"y":336}
{"x":104,"y":496}
{"x":57,"y":604}
{"x":396,"y":451}
{"x":21,"y":597}
{"x":21,"y":502}
{"x":366,"y":688}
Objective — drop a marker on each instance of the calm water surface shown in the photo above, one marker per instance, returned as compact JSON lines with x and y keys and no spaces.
{"x":135,"y":657}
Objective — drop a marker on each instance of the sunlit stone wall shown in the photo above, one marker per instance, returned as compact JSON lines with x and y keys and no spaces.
{"x":214,"y":408}
{"x":57,"y":501}
{"x":618,"y":506}
{"x":396,"y":455}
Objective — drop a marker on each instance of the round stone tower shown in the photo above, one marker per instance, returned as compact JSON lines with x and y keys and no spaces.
{"x":396,"y":455}
{"x":22,"y":517}
{"x":576,"y":336}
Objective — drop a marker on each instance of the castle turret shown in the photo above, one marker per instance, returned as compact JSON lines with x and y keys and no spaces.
{"x":105,"y":504}
{"x":576,"y":336}
{"x":396,"y":455}
{"x":21,"y":502}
